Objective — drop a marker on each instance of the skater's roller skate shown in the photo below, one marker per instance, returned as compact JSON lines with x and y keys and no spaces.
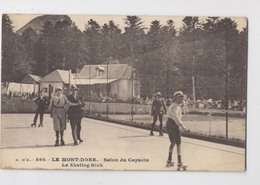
{"x":169,"y":164}
{"x":57,"y":142}
{"x":62,"y":143}
{"x":151,"y":133}
{"x":33,"y":125}
{"x":75,"y":142}
{"x":160,"y":134}
{"x":182,"y":167}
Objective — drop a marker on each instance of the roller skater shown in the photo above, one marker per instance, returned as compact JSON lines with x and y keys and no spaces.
{"x":75,"y":114}
{"x":42,"y":103}
{"x":173,"y":124}
{"x":158,"y":110}
{"x":58,"y":114}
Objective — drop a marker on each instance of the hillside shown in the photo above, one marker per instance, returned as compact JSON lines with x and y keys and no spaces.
{"x":37,"y":23}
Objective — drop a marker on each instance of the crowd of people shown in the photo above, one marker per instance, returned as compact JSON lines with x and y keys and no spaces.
{"x":236,"y":105}
{"x":18,"y":95}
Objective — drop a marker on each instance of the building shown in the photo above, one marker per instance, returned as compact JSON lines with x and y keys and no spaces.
{"x":108,"y":80}
{"x":58,"y":78}
{"x":31,"y":82}
{"x":31,"y":79}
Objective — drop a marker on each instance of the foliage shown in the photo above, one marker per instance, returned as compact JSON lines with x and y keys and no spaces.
{"x":165,"y":57}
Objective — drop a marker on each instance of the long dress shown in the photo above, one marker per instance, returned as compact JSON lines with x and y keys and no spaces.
{"x":58,"y":107}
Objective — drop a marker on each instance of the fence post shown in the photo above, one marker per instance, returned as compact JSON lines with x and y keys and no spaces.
{"x":130,"y":112}
{"x":23,"y":105}
{"x":226,"y":123}
{"x":101,"y":109}
{"x":210,"y":123}
{"x":114,"y":109}
{"x":90,"y":108}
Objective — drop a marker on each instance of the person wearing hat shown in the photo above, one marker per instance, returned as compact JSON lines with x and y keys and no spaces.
{"x":157,"y":111}
{"x":57,"y":108}
{"x":173,"y":125}
{"x":75,"y":114}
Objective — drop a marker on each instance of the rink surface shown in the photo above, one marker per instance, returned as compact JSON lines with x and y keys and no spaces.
{"x":106,"y":146}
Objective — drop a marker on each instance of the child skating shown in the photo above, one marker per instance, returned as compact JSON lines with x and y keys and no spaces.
{"x":173,"y":125}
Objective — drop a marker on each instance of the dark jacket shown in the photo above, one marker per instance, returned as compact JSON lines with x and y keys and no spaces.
{"x":42,"y":103}
{"x":158,"y":107}
{"x":75,"y":112}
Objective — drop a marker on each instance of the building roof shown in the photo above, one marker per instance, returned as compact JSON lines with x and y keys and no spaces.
{"x":31,"y":79}
{"x":58,"y":76}
{"x":89,"y":74}
{"x":115,"y":71}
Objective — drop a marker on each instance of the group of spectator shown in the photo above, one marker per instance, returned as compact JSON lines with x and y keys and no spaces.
{"x":18,"y":95}
{"x":100,"y":97}
{"x":236,"y":105}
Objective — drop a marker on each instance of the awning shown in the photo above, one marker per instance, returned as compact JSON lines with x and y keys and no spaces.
{"x":92,"y":81}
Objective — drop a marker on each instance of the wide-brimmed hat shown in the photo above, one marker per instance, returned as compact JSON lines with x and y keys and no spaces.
{"x":178,"y":94}
{"x":74,"y":88}
{"x":158,"y":94}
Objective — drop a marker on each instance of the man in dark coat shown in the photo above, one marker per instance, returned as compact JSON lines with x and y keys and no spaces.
{"x":75,"y":114}
{"x":158,"y":110}
{"x":42,"y":103}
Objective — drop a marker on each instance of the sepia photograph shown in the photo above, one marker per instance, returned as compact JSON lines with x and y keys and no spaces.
{"x":130,"y":92}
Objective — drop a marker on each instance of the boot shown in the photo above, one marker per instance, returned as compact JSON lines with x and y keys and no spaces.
{"x":80,"y":140}
{"x":57,"y":139}
{"x":62,"y":143}
{"x":75,"y":142}
{"x":182,"y":167}
{"x":152,"y":128}
{"x":33,"y":125}
{"x":169,"y":164}
{"x":160,"y":134}
{"x":40,"y":125}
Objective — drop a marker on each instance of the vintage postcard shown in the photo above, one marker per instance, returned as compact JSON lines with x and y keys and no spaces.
{"x":86,"y":92}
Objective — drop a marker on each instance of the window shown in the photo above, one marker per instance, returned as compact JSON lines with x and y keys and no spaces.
{"x":100,"y":70}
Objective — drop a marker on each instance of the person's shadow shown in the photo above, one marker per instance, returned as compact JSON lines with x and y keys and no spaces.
{"x":35,"y":146}
{"x":17,"y":127}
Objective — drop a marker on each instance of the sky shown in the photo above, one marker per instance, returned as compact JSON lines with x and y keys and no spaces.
{"x":20,"y":20}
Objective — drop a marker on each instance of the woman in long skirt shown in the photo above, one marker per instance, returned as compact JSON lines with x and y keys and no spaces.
{"x":57,"y":108}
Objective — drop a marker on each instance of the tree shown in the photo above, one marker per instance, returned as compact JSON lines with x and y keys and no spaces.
{"x":16,"y":59}
{"x":210,"y":24}
{"x":27,"y":43}
{"x":67,"y":47}
{"x":191,"y":29}
{"x":44,"y":49}
{"x":93,"y":38}
{"x":59,"y":46}
{"x":169,"y":31}
{"x":154,"y":36}
{"x":8,"y":49}
{"x":111,"y":40}
{"x":28,"y":39}
{"x":134,"y":35}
